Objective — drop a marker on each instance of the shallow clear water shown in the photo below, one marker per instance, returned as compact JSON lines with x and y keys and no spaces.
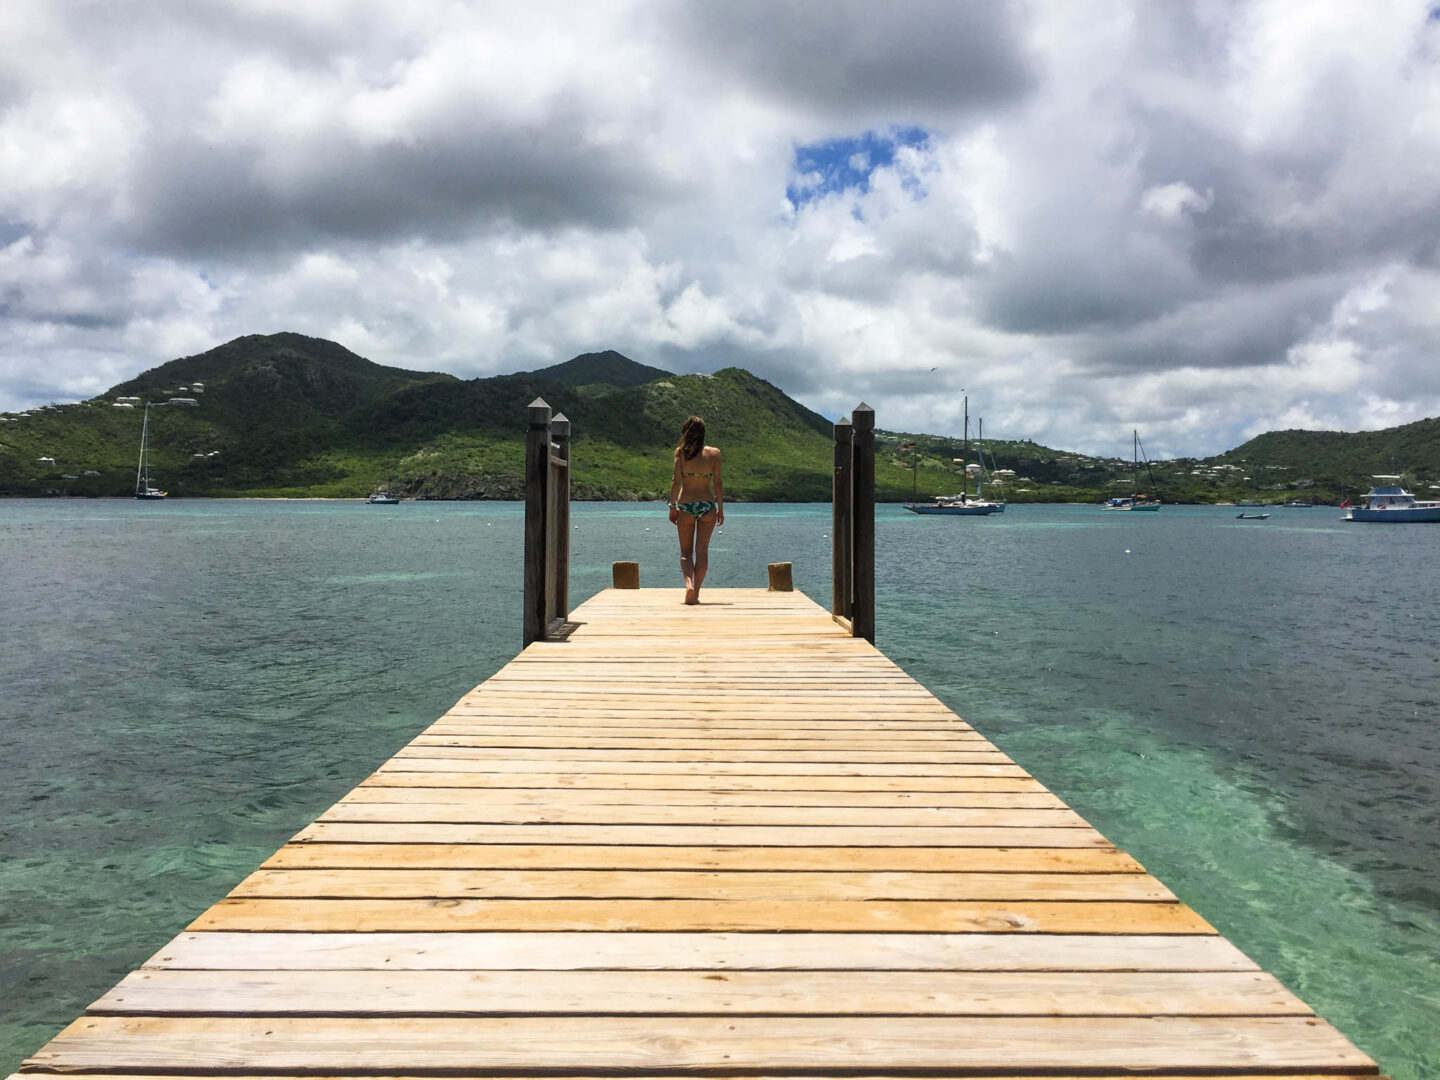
{"x":1250,"y":708}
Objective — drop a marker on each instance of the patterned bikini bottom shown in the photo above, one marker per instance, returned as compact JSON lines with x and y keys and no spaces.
{"x":696,"y":509}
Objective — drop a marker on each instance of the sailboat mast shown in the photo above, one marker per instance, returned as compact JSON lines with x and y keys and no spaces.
{"x":141,"y":469}
{"x":965,"y":454}
{"x":980,"y":457}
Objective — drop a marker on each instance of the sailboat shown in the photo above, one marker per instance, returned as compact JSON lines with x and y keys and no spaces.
{"x":143,"y":488}
{"x":961,"y":505}
{"x":1137,"y":501}
{"x":382,"y":496}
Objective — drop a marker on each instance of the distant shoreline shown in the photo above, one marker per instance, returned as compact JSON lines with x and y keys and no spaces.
{"x":637,"y":502}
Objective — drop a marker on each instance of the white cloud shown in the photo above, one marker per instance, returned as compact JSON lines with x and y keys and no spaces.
{"x":1171,"y":202}
{"x":1203,"y":220}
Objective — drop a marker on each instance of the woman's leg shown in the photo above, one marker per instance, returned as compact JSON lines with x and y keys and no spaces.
{"x":685,"y":526}
{"x":703,"y":528}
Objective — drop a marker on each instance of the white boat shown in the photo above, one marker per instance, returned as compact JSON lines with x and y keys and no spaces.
{"x":1389,"y":501}
{"x":963,"y":504}
{"x":383,"y":498}
{"x":956,"y":506}
{"x":143,"y":487}
{"x":1242,"y":516}
{"x":1138,"y":501}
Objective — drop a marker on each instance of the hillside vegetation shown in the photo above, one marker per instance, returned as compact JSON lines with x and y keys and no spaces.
{"x":288,"y":415}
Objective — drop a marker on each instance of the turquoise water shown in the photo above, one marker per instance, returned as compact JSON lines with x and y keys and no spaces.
{"x":1247,"y":707}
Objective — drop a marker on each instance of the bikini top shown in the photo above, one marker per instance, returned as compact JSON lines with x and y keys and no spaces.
{"x":683,"y":473}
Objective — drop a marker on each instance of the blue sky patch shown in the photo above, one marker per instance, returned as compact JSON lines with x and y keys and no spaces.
{"x":823,"y":168}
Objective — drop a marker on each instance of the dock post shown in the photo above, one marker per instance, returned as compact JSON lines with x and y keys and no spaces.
{"x":558,"y":491}
{"x":862,"y":523}
{"x":840,"y":523}
{"x":537,"y":475}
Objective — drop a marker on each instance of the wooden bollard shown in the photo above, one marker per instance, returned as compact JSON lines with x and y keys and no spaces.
{"x":626,"y":575}
{"x":780,"y":577}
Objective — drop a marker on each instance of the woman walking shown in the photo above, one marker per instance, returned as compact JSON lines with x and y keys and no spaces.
{"x":697,"y":503}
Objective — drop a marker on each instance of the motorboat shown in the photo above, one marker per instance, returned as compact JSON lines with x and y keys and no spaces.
{"x":1243,"y":516}
{"x":383,"y":498}
{"x":1389,"y":501}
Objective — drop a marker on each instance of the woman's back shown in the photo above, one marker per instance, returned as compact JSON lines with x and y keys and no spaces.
{"x":697,"y":474}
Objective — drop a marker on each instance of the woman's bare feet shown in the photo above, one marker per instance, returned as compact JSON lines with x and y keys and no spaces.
{"x":692,"y":595}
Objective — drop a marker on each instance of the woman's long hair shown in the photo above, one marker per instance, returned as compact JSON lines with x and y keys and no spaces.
{"x":692,"y":439}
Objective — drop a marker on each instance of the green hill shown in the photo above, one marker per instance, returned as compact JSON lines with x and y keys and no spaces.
{"x":289,"y":415}
{"x":1333,"y":462}
{"x":608,"y":368}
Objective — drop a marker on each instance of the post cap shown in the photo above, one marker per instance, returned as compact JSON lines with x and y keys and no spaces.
{"x":539,"y":413}
{"x":863,"y":416}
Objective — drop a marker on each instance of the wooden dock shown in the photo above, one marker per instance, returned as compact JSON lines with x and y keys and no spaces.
{"x":731,"y":840}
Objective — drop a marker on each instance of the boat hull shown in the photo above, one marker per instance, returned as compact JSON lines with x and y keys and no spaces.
{"x":965,"y":510}
{"x":1395,"y":514}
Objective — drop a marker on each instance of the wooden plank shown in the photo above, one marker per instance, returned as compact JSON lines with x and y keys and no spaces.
{"x":346,"y":832}
{"x":767,"y":778}
{"x":582,"y":754}
{"x":808,"y":993}
{"x":661,"y":884}
{"x":610,"y":742}
{"x":453,"y":761}
{"x":719,"y":1043}
{"x":1103,"y":860}
{"x":464,"y":812}
{"x":832,"y":916}
{"x":418,"y":771}
{"x":869,"y":1074}
{"x":664,"y":728}
{"x":480,"y":951}
{"x":416,"y":789}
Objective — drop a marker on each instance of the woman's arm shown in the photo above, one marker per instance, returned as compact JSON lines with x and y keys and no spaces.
{"x":674,"y":490}
{"x":719,"y":491}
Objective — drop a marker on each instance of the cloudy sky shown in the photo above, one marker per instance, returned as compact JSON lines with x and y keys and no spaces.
{"x":1202,"y":219}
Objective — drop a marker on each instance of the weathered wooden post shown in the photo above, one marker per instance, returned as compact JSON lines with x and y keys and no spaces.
{"x":625,"y":575}
{"x":840,"y":523}
{"x":862,"y":523}
{"x":537,"y":477}
{"x":780,"y":578}
{"x":558,"y":553}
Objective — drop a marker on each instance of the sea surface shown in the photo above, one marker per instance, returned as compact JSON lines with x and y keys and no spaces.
{"x":1248,"y":707}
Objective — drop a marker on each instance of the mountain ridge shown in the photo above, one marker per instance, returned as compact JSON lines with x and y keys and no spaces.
{"x":287,"y":414}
